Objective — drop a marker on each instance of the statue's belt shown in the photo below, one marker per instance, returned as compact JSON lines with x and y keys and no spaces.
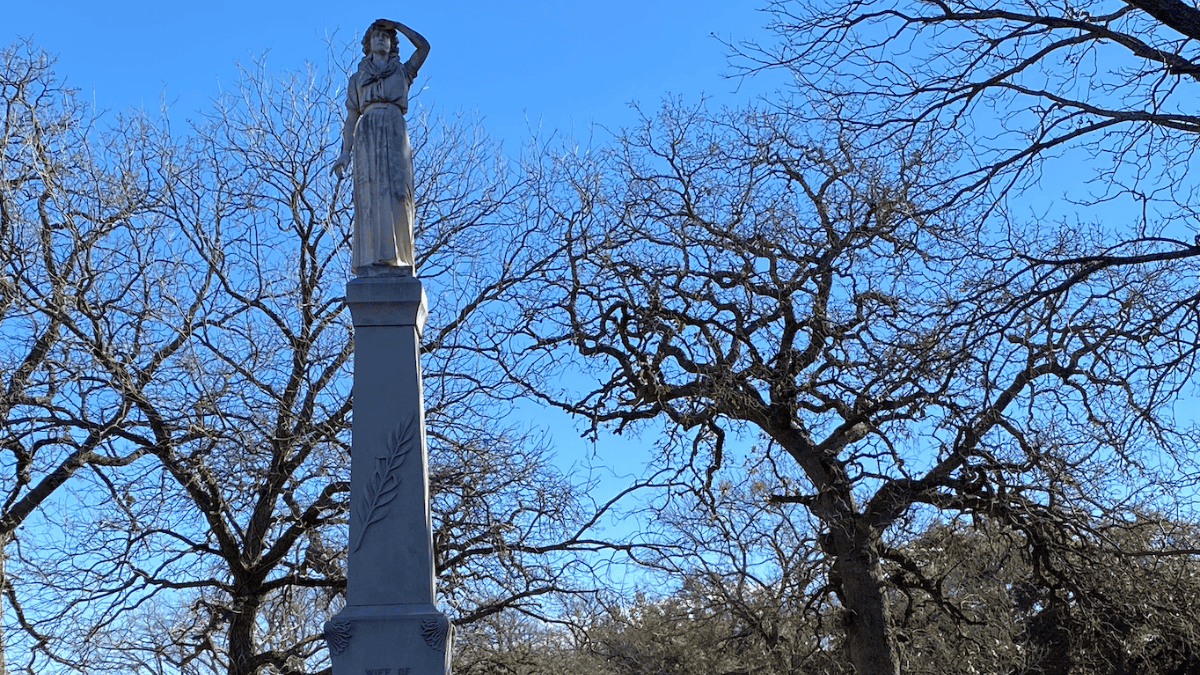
{"x":381,"y":104}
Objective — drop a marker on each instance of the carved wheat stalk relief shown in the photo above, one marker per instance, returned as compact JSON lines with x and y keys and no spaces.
{"x":385,"y":481}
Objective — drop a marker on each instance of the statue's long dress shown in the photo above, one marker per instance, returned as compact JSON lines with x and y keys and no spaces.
{"x":383,"y":174}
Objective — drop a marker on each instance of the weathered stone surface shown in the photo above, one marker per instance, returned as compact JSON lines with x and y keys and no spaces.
{"x":390,"y":622}
{"x":376,"y":136}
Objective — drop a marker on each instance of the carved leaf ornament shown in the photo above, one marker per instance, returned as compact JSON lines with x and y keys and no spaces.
{"x":337,"y":634}
{"x":385,"y":481}
{"x":435,"y":632}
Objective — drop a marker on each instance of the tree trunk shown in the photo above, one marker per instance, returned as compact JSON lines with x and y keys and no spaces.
{"x":857,"y":575}
{"x":3,"y":585}
{"x":242,"y":645}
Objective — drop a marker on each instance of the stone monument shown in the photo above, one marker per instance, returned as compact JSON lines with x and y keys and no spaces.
{"x":391,"y":624}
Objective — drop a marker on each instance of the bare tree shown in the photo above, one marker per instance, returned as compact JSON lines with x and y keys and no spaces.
{"x":1095,"y":96}
{"x":739,"y":581}
{"x":745,"y":274}
{"x":71,"y":200}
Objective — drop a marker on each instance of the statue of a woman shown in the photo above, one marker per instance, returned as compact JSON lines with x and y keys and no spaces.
{"x":376,"y":136}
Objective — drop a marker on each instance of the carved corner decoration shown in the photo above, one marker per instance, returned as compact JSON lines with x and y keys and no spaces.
{"x":337,"y":635}
{"x":381,"y":489}
{"x":435,"y":631}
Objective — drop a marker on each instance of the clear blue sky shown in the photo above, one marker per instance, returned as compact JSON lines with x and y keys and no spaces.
{"x":558,"y":63}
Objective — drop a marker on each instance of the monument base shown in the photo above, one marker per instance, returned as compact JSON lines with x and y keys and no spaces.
{"x":389,"y":640}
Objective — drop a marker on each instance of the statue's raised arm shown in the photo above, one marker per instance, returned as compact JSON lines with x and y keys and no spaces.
{"x":376,"y":137}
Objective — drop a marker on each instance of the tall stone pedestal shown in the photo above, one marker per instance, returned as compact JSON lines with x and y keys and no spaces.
{"x":390,"y":625}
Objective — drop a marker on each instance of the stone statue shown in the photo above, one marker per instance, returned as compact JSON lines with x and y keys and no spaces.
{"x":376,"y":136}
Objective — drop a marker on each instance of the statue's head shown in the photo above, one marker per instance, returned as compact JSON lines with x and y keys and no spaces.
{"x":389,"y":33}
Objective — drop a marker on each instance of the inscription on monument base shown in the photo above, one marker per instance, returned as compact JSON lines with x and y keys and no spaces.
{"x":387,"y":671}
